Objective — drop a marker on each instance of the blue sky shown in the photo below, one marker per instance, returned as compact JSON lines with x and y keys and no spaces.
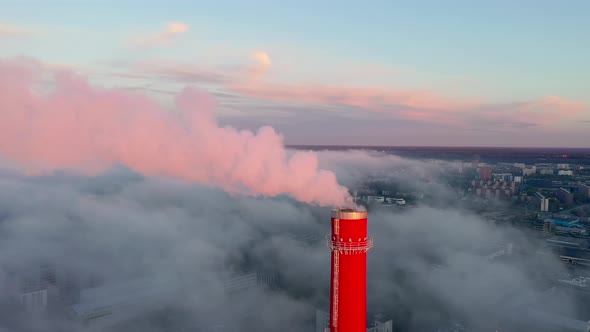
{"x":457,"y":68}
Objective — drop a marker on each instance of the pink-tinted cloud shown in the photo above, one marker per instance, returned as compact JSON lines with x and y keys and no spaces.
{"x":182,"y":72}
{"x":186,"y":72}
{"x":165,"y":37}
{"x":8,"y":31}
{"x":262,"y":58}
{"x":77,"y":126}
{"x":418,"y":105}
{"x":553,"y":109}
{"x":374,"y":99}
{"x":261,"y":66}
{"x":547,"y":112}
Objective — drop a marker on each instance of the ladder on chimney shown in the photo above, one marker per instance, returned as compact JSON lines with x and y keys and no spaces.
{"x":335,"y":277}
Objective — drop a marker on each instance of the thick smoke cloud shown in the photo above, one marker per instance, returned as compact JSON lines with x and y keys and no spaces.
{"x":77,"y":126}
{"x":120,"y":226}
{"x":427,"y":267}
{"x":354,"y":167}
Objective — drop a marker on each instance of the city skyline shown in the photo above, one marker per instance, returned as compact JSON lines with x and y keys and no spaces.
{"x":427,"y":73}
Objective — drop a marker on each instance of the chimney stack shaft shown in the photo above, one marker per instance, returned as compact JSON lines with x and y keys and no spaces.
{"x":348,"y":283}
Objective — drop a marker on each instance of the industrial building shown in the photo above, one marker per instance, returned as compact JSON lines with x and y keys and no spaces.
{"x":571,"y":231}
{"x":115,"y":303}
{"x":375,"y":199}
{"x":398,"y":201}
{"x":564,"y":221}
{"x":571,"y":250}
{"x":566,"y":226}
{"x":559,"y":241}
{"x":37,"y":287}
{"x":564,"y":196}
{"x":322,"y":323}
{"x":42,"y":288}
{"x":385,"y":200}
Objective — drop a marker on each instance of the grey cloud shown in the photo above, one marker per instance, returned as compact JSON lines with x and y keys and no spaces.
{"x":424,"y":269}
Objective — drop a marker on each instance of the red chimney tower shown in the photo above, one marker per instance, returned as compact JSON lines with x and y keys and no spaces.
{"x":348,"y":284}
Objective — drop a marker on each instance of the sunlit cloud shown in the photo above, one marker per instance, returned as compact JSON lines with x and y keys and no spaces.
{"x":9,"y":31}
{"x":176,"y":28}
{"x":189,"y":72}
{"x":371,"y":98}
{"x":165,"y":37}
{"x":261,"y":67}
{"x":57,"y":67}
{"x":550,"y":111}
{"x":180,"y":71}
{"x":81,"y":127}
{"x":250,"y":81}
{"x":422,"y":105}
{"x":262,"y":58}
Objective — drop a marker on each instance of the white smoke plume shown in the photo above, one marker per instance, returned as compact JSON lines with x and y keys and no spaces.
{"x":80,"y":127}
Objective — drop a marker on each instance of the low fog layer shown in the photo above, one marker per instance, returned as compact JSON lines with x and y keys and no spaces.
{"x":427,"y":266}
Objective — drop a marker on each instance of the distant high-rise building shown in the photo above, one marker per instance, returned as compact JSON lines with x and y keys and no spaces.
{"x":541,"y":202}
{"x":529,"y":170}
{"x":475,"y":162}
{"x":485,"y":173}
{"x":103,"y":307}
{"x":547,"y":226}
{"x":564,"y":196}
{"x":37,"y":287}
{"x":546,"y":171}
{"x":565,"y":172}
{"x":44,"y":287}
{"x":502,"y":177}
{"x":382,"y":326}
{"x":584,"y":189}
{"x":563,"y":166}
{"x":322,"y":323}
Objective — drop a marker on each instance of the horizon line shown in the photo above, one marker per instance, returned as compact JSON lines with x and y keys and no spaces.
{"x":433,"y":146}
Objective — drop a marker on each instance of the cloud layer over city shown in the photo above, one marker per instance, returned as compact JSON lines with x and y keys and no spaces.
{"x":428,"y":264}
